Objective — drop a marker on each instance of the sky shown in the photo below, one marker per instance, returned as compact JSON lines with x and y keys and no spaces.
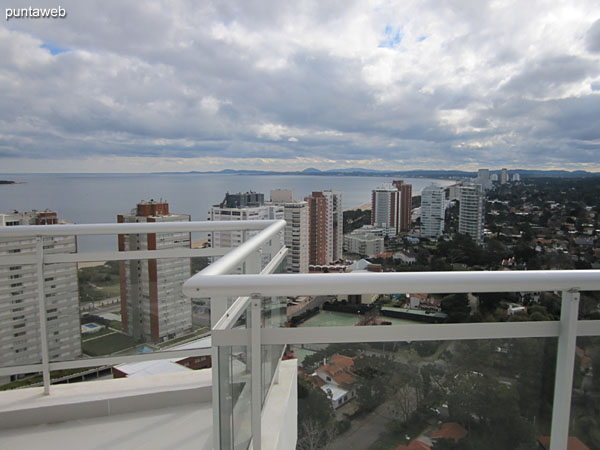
{"x":130,"y":86}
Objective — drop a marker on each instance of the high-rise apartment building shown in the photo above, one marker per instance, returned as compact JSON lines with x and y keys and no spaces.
{"x":504,"y":176}
{"x":244,"y":206}
{"x":516,"y":177}
{"x":20,"y":331}
{"x":153,"y":307}
{"x":391,"y":207}
{"x":471,"y":219}
{"x":483,"y":178}
{"x":326,"y":223}
{"x":433,"y":211}
{"x":404,"y":205}
{"x":296,"y":239}
{"x":384,"y":208}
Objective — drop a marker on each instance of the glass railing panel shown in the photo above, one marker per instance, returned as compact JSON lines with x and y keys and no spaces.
{"x":273,"y":317}
{"x":494,"y":394}
{"x":403,"y":308}
{"x":585,"y":413}
{"x":235,"y":396}
{"x":134,"y":307}
{"x":20,"y":340}
{"x":100,"y":309}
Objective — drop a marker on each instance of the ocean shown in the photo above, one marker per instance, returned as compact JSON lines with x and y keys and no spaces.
{"x":98,"y":198}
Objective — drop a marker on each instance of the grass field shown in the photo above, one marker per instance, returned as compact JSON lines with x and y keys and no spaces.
{"x":108,"y":344}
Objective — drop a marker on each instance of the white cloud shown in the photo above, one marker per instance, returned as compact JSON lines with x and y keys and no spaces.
{"x":272,"y":83}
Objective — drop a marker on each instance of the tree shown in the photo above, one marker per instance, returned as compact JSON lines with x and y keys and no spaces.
{"x":316,"y":421}
{"x":456,"y":306}
{"x":373,"y":377}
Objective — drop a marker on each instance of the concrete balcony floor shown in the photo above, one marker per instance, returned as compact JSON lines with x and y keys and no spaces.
{"x":169,"y":411}
{"x":179,"y":427}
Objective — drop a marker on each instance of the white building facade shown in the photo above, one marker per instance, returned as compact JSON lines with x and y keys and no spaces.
{"x":20,"y":332}
{"x":384,"y":208}
{"x":153,"y":307}
{"x":483,"y":178}
{"x":433,"y":211}
{"x":471,"y":219}
{"x":296,"y":235}
{"x":247,"y":206}
{"x":364,"y":242}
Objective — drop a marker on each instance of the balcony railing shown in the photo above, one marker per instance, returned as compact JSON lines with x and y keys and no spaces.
{"x":245,"y":357}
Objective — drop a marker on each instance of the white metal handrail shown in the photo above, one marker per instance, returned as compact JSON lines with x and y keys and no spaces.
{"x":387,"y":283}
{"x":132,"y":228}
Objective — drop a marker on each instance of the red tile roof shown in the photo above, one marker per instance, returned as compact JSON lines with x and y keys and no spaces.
{"x":450,"y":430}
{"x":339,"y":369}
{"x":414,"y":445}
{"x":572,"y":444}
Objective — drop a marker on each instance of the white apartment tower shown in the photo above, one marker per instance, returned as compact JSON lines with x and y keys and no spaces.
{"x":483,"y":178}
{"x":246,"y":206}
{"x":296,"y":229}
{"x":20,"y":331}
{"x":153,"y":307}
{"x":471,"y":218}
{"x":433,"y":211}
{"x":503,"y":176}
{"x":384,"y":208}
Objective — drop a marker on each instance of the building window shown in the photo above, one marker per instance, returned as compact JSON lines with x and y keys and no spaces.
{"x":15,"y":267}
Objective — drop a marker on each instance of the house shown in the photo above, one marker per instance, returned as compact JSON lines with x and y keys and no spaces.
{"x":572,"y":444}
{"x":414,"y":445}
{"x":450,"y":430}
{"x":513,"y":308}
{"x":336,"y":379}
{"x":405,"y":257}
{"x":417,"y":299}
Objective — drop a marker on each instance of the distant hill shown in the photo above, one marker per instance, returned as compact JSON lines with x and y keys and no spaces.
{"x":443,"y":174}
{"x":6,"y":182}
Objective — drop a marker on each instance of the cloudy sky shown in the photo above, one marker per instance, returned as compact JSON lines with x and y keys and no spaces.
{"x":130,"y":86}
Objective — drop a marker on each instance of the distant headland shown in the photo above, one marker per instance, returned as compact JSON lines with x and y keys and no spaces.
{"x":440,"y":174}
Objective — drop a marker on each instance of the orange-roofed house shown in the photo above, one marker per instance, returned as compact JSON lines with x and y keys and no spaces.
{"x":572,"y":444}
{"x":337,"y":380}
{"x":450,"y":430}
{"x":414,"y":445}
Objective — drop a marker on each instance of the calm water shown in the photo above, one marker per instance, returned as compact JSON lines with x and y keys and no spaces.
{"x":98,"y":198}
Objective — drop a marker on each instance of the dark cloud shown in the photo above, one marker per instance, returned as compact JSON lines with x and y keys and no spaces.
{"x":592,"y":38}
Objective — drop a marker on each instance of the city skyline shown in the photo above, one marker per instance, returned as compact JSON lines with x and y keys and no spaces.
{"x":256,"y":85}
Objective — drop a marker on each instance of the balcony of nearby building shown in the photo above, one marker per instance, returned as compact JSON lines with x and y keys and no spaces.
{"x":248,"y":398}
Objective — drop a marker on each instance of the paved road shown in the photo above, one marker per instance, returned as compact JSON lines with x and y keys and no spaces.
{"x":364,"y":432}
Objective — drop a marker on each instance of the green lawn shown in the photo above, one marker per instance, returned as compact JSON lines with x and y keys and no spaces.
{"x":108,"y":344}
{"x":87,"y":337}
{"x":187,"y":337}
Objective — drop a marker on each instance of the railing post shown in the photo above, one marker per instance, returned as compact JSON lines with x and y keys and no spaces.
{"x":39,"y":248}
{"x":256,"y":378}
{"x":218,"y":306}
{"x":565,"y":362}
